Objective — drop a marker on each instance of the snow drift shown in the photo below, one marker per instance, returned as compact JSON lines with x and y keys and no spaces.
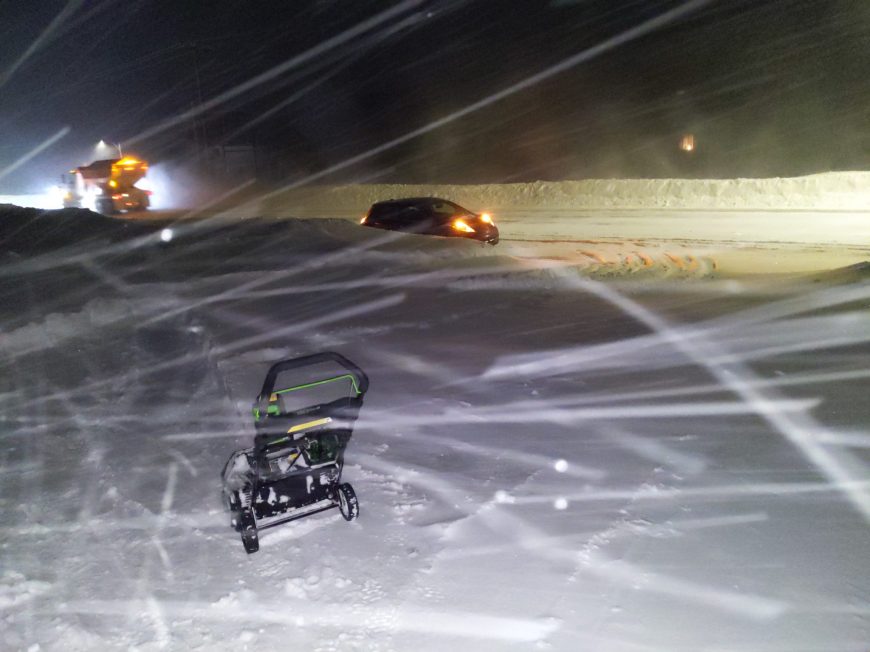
{"x":821,"y":192}
{"x":30,"y":230}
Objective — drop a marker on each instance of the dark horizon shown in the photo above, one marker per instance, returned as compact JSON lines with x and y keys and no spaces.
{"x":772,"y":88}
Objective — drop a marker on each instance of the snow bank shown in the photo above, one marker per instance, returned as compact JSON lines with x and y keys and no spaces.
{"x":830,"y":191}
{"x":31,"y":230}
{"x":228,"y":244}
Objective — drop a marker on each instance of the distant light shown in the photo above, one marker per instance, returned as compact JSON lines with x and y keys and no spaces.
{"x":503,"y":497}
{"x":561,"y":466}
{"x":103,"y":148}
{"x":560,"y":504}
{"x":687,"y":143}
{"x":166,"y":235}
{"x":54,"y":197}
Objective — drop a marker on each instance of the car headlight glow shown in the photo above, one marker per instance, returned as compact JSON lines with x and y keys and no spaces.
{"x":460,"y":225}
{"x":486,"y":217}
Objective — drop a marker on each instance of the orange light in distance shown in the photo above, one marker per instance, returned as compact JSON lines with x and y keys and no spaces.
{"x":687,"y":143}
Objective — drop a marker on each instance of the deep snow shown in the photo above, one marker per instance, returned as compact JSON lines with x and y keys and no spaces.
{"x":556,"y":452}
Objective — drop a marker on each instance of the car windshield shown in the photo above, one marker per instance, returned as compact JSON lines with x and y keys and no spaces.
{"x":449,"y":209}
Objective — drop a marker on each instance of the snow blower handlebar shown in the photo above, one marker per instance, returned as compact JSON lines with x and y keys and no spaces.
{"x":361,"y":381}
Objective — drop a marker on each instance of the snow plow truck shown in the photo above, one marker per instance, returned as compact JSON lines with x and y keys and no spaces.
{"x":108,"y":186}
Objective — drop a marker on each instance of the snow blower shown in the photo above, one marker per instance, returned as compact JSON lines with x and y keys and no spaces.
{"x":304,"y":418}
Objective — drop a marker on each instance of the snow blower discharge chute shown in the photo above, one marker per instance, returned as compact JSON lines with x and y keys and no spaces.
{"x":304,"y":418}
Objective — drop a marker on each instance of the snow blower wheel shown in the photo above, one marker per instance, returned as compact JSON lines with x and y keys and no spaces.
{"x":303,"y":425}
{"x":248,"y":530}
{"x":250,"y":541}
{"x":348,"y":505}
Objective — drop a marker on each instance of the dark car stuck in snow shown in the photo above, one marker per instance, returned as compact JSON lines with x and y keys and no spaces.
{"x":431,"y":216}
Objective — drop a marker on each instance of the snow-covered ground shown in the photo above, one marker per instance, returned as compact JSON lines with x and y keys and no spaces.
{"x":561,"y":448}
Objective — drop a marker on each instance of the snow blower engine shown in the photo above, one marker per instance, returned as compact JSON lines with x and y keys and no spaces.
{"x":304,"y":418}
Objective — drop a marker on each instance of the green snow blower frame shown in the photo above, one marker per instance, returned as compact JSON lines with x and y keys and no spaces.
{"x":304,"y":418}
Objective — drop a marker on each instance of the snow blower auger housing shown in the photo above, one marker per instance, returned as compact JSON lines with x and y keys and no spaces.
{"x":304,"y":418}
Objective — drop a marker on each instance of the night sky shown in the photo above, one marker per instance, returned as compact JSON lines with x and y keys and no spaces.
{"x":768,"y":88}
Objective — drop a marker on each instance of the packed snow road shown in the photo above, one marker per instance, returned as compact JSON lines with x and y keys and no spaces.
{"x":551,"y":455}
{"x":675,"y":242}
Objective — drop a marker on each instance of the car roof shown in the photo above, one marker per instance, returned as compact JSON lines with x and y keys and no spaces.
{"x":413,"y":200}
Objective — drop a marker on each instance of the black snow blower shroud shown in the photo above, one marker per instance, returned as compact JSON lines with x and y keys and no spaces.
{"x":304,"y":418}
